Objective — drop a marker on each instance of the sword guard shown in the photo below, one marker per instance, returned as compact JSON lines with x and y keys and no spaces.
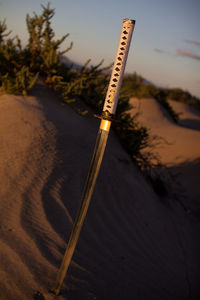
{"x":106,"y":115}
{"x":111,"y":118}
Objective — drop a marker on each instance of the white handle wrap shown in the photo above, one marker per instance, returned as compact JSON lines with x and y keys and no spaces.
{"x":112,"y":95}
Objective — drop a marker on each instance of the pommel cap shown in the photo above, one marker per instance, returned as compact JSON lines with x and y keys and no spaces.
{"x":129,"y":21}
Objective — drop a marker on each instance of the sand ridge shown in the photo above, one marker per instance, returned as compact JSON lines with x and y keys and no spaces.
{"x":183,"y":141}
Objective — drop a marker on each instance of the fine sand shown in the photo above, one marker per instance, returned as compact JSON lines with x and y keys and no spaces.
{"x":133,"y":245}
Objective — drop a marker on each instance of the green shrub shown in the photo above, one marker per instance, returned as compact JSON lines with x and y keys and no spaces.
{"x":179,"y":95}
{"x":15,"y":77}
{"x":41,"y":55}
{"x":20,"y":83}
{"x":42,"y":51}
{"x":88,"y":84}
{"x":11,"y":53}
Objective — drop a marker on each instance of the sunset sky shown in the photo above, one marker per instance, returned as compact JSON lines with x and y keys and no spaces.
{"x":166,"y":42}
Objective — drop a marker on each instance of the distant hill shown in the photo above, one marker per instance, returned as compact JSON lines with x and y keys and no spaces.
{"x":68,"y":63}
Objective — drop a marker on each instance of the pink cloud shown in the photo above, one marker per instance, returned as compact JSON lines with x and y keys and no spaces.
{"x":193,"y":42}
{"x":187,"y":53}
{"x":160,"y":51}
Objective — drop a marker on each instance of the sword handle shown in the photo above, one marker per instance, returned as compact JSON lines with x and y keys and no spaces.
{"x":112,"y":95}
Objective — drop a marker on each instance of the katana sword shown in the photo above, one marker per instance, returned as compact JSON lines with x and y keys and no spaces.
{"x":108,"y":113}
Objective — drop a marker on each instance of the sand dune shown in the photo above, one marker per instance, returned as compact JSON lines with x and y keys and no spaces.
{"x":189,"y":117}
{"x":183,"y":141}
{"x":181,"y":151}
{"x":132,"y":246}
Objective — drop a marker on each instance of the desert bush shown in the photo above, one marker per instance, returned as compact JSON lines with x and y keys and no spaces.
{"x":15,"y":77}
{"x":87,"y":84}
{"x":11,"y":54}
{"x":42,"y":51}
{"x":90,"y":84}
{"x":179,"y":95}
{"x":20,"y":83}
{"x":3,"y":33}
{"x":19,"y":67}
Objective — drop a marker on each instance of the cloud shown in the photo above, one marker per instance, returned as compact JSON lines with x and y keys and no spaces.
{"x":160,"y":51}
{"x":187,"y":53}
{"x":196,"y":43}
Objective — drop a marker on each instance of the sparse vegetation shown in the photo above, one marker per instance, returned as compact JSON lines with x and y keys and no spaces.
{"x":136,"y":86}
{"x":88,"y":84}
{"x":179,"y":95}
{"x":15,"y":76}
{"x":20,"y":83}
{"x":20,"y":67}
{"x":43,"y":51}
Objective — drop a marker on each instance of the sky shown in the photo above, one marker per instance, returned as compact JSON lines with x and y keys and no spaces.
{"x":165,"y":46}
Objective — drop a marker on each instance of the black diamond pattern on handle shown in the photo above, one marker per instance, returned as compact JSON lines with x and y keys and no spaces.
{"x":118,"y":68}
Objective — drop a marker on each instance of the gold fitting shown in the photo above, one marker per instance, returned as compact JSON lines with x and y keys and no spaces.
{"x":105,"y":125}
